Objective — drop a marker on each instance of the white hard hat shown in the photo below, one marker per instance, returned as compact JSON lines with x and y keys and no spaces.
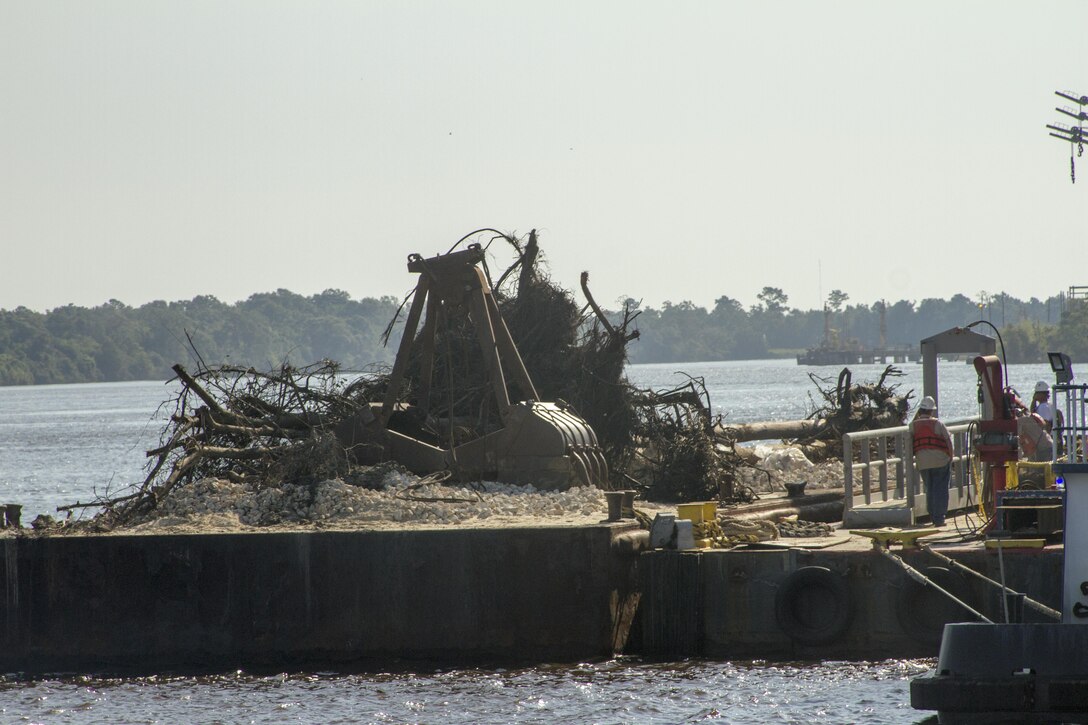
{"x":1042,"y":387}
{"x":928,"y":403}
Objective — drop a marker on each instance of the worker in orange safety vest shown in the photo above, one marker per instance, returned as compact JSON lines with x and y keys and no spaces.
{"x":932,"y":457}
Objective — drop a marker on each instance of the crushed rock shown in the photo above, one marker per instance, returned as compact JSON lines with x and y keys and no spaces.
{"x":398,"y":499}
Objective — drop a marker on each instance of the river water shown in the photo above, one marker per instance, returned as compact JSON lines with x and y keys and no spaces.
{"x":65,"y":443}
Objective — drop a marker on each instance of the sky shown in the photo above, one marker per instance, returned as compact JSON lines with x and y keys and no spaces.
{"x":680,"y":150}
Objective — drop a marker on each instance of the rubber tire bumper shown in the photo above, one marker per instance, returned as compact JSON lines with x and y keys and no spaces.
{"x":813,"y":606}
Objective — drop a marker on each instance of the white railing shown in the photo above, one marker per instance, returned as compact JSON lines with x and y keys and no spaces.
{"x":1070,"y":436}
{"x":884,"y":470}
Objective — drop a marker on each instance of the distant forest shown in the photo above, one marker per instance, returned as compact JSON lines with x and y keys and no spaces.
{"x":115,"y":342}
{"x":729,"y":331}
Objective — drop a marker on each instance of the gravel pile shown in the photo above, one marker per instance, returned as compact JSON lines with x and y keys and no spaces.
{"x":398,"y":497}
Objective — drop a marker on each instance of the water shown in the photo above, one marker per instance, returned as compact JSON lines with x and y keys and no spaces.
{"x":745,"y":391}
{"x":63,"y":443}
{"x":617,"y":691}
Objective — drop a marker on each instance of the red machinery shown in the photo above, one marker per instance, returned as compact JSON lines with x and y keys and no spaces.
{"x":997,"y":439}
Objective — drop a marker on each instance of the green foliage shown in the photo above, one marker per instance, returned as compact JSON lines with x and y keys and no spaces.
{"x":836,"y":298}
{"x":1027,"y":341}
{"x":117,"y":342}
{"x":687,"y":333}
{"x":1072,"y":334}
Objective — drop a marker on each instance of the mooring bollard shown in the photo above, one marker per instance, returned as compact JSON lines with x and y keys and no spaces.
{"x":13,"y":512}
{"x":793,"y":490}
{"x":615,"y":504}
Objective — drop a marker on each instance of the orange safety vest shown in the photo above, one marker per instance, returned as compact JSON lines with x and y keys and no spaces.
{"x":926,"y":437}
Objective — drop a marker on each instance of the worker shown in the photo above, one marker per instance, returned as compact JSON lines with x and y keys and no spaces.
{"x":932,"y":457}
{"x":1035,"y":441}
{"x":1040,"y":404}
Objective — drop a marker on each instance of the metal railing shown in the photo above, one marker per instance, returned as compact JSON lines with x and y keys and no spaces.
{"x":885,"y":471}
{"x":1070,"y":436}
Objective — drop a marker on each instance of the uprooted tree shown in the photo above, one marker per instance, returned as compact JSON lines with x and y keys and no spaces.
{"x":844,"y":407}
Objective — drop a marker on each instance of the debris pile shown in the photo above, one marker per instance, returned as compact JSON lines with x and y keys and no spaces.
{"x":392,"y":496}
{"x":283,"y":445}
{"x":848,"y":407}
{"x":683,"y":456}
{"x":844,"y":407}
{"x":256,"y":429}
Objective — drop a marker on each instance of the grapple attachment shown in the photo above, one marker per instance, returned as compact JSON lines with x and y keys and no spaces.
{"x":540,"y":443}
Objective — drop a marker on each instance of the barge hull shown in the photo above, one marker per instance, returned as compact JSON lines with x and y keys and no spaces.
{"x":288,"y":600}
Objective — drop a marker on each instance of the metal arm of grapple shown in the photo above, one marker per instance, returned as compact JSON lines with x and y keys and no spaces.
{"x":448,"y":282}
{"x":401,"y":363}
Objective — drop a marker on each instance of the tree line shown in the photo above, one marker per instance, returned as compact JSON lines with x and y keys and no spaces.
{"x":115,"y":342}
{"x":685,"y":332}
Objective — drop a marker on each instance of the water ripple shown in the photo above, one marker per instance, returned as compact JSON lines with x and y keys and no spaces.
{"x":616,"y":691}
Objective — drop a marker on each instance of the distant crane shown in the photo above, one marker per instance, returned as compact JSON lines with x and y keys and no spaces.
{"x":1073,"y":135}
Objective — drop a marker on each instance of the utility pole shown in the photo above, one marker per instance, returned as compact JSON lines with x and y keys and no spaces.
{"x":1073,"y":135}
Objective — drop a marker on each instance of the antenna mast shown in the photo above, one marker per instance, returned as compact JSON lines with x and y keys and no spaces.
{"x":1074,"y":135}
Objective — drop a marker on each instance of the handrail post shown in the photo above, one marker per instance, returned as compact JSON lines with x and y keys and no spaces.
{"x":847,"y":473}
{"x":882,"y":450}
{"x":958,"y":462}
{"x":866,"y":479}
{"x":910,"y":475}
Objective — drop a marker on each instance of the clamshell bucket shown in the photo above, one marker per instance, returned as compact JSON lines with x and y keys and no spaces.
{"x":540,"y":443}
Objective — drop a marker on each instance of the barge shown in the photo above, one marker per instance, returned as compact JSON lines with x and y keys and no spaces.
{"x":453,"y":596}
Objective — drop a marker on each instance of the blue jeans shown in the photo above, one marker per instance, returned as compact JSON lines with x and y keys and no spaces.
{"x":936,"y":482}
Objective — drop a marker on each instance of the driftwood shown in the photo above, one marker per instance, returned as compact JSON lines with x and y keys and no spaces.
{"x":775,"y":430}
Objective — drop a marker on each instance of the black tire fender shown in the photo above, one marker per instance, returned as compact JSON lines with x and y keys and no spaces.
{"x":813,"y":606}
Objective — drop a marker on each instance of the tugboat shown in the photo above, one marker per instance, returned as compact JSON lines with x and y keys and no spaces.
{"x":1026,"y":673}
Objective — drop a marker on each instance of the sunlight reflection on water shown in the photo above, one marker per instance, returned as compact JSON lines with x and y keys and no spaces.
{"x":616,"y":691}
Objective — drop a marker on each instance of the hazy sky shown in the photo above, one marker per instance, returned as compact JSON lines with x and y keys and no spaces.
{"x":675,"y":150}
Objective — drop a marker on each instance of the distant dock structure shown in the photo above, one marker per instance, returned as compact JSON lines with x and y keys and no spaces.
{"x":834,"y":349}
{"x":864,"y":356}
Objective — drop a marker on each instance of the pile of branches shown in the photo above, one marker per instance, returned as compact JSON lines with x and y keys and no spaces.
{"x":684,"y":455}
{"x":844,"y":407}
{"x":262,"y":429}
{"x":848,"y":407}
{"x":298,"y":425}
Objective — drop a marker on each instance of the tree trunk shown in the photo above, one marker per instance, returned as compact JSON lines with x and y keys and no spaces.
{"x":776,"y":430}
